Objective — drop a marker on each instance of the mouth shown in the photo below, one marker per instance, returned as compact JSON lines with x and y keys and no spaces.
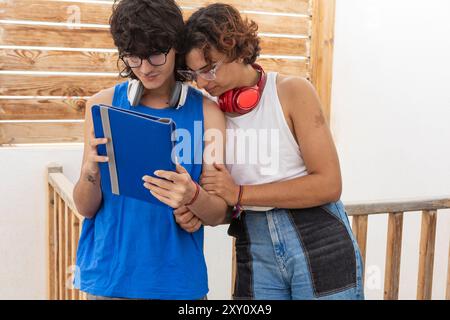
{"x":151,"y":76}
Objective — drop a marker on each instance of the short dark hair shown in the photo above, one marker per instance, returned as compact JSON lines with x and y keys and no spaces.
{"x":143,"y":27}
{"x":222,"y":26}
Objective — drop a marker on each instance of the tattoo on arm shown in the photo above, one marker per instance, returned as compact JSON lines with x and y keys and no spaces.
{"x":319,"y":119}
{"x":91,"y":179}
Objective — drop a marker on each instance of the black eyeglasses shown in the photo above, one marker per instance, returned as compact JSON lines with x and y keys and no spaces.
{"x":156,"y":59}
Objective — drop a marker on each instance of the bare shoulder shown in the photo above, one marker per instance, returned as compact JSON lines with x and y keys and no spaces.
{"x":298,"y":96}
{"x":294,"y":86}
{"x":104,"y":96}
{"x":214,"y":117}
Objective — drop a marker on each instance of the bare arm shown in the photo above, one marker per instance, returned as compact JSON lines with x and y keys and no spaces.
{"x":87,"y":193}
{"x":302,"y":108}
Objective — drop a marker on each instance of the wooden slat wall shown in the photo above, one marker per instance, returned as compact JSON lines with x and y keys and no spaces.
{"x":39,"y":36}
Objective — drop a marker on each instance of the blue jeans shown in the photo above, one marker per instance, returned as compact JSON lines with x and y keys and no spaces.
{"x":292,"y":254}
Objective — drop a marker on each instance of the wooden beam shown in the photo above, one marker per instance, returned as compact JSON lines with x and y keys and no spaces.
{"x":286,"y":6}
{"x":89,"y":61}
{"x":94,"y":13}
{"x":88,"y":37}
{"x":42,"y":109}
{"x":322,"y":46}
{"x":55,"y":85}
{"x":397,"y":205}
{"x":40,"y":132}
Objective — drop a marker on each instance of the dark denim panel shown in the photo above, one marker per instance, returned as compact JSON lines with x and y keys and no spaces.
{"x":328,"y":249}
{"x":243,"y":288}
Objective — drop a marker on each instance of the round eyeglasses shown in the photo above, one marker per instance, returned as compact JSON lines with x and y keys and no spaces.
{"x":208,"y":75}
{"x":156,"y":60}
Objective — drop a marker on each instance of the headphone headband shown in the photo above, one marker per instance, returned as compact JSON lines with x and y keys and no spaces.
{"x":177,"y":98}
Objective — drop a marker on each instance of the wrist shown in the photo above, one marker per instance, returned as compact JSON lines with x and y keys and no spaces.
{"x":195,"y":190}
{"x":237,"y":209}
{"x":237,"y":195}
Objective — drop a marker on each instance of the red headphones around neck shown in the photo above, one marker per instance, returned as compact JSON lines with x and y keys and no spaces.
{"x":245,"y":99}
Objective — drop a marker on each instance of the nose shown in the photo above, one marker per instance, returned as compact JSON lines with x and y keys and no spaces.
{"x":201,"y":83}
{"x":145,"y":67}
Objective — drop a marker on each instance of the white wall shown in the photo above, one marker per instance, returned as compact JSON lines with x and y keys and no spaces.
{"x":390,"y":119}
{"x":391,"y":111}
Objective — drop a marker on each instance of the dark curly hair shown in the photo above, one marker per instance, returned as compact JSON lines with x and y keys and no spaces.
{"x":221,"y":26}
{"x":144,"y":27}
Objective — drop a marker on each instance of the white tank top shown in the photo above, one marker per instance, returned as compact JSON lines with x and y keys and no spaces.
{"x":260,"y":146}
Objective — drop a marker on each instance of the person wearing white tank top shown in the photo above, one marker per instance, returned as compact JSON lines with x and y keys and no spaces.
{"x":282,"y":173}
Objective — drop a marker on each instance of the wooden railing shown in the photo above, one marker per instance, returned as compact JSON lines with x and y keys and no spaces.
{"x":64,"y":226}
{"x":396,"y":209}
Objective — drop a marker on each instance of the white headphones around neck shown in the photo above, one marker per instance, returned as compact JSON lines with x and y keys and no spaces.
{"x":177,"y":97}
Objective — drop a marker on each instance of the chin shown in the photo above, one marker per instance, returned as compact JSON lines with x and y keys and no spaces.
{"x":152,"y":83}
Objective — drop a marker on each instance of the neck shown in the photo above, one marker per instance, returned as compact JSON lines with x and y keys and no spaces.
{"x":249,"y":77}
{"x":160,"y":96}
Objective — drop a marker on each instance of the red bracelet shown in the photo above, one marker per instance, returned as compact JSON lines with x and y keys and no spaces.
{"x":237,"y":210}
{"x":197,"y":191}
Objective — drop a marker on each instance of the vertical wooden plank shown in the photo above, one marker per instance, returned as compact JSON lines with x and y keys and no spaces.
{"x":359,"y":227}
{"x":322,"y":44}
{"x":61,"y":246}
{"x":393,"y":256}
{"x":426,"y":255}
{"x":81,"y":295}
{"x":68,"y":251}
{"x":448,"y":276}
{"x":51,"y":272}
{"x":233,"y":267}
{"x":57,"y":244}
{"x":75,"y":237}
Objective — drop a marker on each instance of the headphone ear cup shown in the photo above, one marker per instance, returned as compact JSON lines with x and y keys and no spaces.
{"x":183,"y":95}
{"x":134,"y":92}
{"x":179,"y":95}
{"x":226,"y":101}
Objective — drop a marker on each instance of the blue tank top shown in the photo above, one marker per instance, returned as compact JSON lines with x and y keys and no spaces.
{"x":133,"y":249}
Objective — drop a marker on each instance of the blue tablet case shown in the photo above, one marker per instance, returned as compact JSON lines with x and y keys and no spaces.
{"x":138,"y":145}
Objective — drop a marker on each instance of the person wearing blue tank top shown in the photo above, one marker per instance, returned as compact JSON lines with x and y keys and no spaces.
{"x":130,"y":249}
{"x":293,"y":238}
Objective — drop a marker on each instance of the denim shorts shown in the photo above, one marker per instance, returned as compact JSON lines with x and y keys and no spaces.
{"x":297,"y":254}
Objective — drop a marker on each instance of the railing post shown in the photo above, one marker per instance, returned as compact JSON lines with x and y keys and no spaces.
{"x":233,"y":266}
{"x":426,"y":255}
{"x":393,"y":256}
{"x":359,"y":227}
{"x":51,"y":256}
{"x":75,"y":237}
{"x":68,"y":251}
{"x":61,"y":247}
{"x":52,"y":235}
